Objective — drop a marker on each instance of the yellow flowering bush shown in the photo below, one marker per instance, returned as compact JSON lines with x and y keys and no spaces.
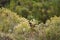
{"x":53,"y":30}
{"x":24,"y":26}
{"x":8,"y":20}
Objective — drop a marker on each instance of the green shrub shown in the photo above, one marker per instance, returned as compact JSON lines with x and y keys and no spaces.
{"x":53,"y":30}
{"x":24,"y":26}
{"x":8,"y":20}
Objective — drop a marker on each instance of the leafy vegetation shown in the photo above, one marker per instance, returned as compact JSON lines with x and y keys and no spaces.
{"x":29,"y":20}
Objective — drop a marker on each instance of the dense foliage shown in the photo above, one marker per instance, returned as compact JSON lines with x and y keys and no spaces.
{"x":29,"y":20}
